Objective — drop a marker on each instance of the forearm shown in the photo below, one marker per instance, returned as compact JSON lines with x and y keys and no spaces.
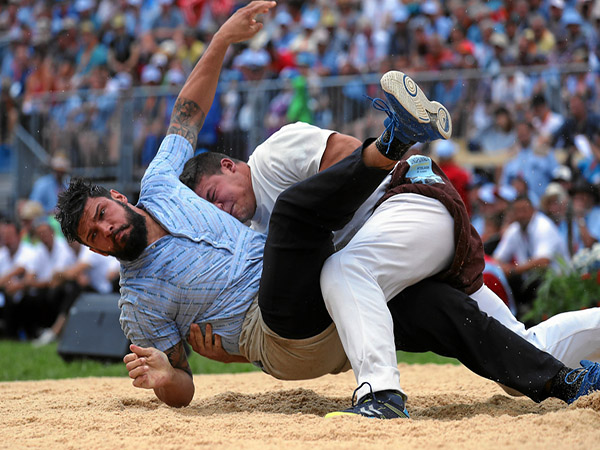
{"x":586,"y":237}
{"x":15,"y":273}
{"x":198,"y":92}
{"x":237,"y":359}
{"x":538,"y":263}
{"x":179,"y":391}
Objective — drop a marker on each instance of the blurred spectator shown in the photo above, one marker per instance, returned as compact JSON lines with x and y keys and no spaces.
{"x":580,"y":36}
{"x":189,"y":47}
{"x":459,"y":177}
{"x":46,"y":189}
{"x":499,"y":136}
{"x":586,"y":215}
{"x":28,"y":211}
{"x":65,"y":45}
{"x":543,"y":39}
{"x":91,"y":272}
{"x":512,"y":90}
{"x":555,"y":14}
{"x":532,"y":164}
{"x":167,"y":21}
{"x":555,"y":204}
{"x":578,"y":128}
{"x":400,"y":41}
{"x":531,"y":243}
{"x":123,"y":53}
{"x":589,"y":165}
{"x":545,"y":121}
{"x":299,"y":109}
{"x":92,"y":52}
{"x":38,"y":307}
{"x":15,"y":256}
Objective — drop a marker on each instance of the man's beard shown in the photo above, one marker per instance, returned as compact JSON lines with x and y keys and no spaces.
{"x":137,"y":240}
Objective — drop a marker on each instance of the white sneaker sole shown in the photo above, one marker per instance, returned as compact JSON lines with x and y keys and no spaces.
{"x":433,"y":115}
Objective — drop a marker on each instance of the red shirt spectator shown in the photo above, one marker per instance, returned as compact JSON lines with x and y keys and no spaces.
{"x":459,"y":177}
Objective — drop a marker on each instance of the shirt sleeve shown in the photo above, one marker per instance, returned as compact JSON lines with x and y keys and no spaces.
{"x":172,"y":155}
{"x":146,"y":326}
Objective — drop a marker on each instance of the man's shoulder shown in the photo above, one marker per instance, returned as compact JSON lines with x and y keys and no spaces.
{"x":543,"y":224}
{"x":512,"y":231}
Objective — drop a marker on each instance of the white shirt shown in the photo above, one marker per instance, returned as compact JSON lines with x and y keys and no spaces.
{"x":6,"y":261}
{"x":61,"y":256}
{"x":34,"y":258}
{"x":99,"y":268}
{"x":291,"y":155}
{"x":549,"y":125}
{"x":542,"y":239}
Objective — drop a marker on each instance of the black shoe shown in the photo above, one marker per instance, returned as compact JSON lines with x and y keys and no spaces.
{"x":376,"y":405}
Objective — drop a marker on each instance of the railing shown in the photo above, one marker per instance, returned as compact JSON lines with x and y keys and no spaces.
{"x":112,"y":136}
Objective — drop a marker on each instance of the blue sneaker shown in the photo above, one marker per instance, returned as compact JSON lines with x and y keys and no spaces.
{"x":375,"y":405}
{"x":590,"y":371}
{"x":417,"y":118}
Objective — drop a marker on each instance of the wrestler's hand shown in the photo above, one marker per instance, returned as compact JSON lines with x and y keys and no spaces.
{"x":242,"y":25}
{"x":210,"y":346}
{"x":148,"y":367}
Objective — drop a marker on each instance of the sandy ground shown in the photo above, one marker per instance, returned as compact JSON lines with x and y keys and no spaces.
{"x":450,"y":408}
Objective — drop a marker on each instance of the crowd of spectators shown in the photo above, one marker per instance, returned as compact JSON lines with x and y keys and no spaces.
{"x":102,"y":48}
{"x":520,"y":79}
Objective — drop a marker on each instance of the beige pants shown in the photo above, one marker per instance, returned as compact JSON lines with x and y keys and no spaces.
{"x":291,"y":359}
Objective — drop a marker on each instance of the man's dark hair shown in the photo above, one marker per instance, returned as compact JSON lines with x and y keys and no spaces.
{"x":72,"y":202}
{"x":202,"y":165}
{"x":5,"y":219}
{"x":538,"y":100}
{"x":523,"y":197}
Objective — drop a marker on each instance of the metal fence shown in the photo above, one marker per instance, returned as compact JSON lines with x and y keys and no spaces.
{"x":112,"y":136}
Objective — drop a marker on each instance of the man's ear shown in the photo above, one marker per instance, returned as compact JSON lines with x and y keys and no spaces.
{"x":99,"y":252}
{"x":116,"y":195}
{"x":227,"y":165}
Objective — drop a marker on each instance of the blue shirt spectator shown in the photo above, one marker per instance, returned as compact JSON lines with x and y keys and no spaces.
{"x":46,"y":189}
{"x":533,"y":167}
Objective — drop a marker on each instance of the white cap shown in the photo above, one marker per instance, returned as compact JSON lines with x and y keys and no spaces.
{"x":507,"y":193}
{"x":159,"y":60}
{"x":60,"y":163}
{"x":486,"y":193}
{"x":175,"y":76}
{"x":562,"y":173}
{"x":430,"y":7}
{"x":150,"y":74}
{"x":445,"y":149}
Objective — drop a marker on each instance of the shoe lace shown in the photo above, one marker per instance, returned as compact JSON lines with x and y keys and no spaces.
{"x":393,"y":123}
{"x":589,"y":371}
{"x":354,"y":402}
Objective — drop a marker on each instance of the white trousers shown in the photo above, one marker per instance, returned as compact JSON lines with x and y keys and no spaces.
{"x":408,"y":238}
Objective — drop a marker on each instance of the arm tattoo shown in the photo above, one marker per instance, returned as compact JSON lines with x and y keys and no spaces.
{"x":186,"y":120}
{"x":178,"y":358}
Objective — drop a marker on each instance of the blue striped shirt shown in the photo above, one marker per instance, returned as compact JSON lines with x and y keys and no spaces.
{"x":207,"y":270}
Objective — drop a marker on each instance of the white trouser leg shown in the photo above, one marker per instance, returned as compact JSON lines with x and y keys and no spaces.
{"x":407,"y":239}
{"x":569,"y":337}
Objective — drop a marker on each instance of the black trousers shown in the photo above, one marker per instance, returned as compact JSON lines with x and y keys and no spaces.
{"x":300,"y":239}
{"x":432,"y":316}
{"x":429,"y":316}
